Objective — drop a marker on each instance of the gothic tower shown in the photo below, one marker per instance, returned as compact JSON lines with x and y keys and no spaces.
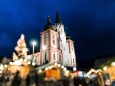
{"x":63,"y":46}
{"x":49,"y":44}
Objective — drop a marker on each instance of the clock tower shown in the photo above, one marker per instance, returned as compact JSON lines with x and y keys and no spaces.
{"x":49,"y":44}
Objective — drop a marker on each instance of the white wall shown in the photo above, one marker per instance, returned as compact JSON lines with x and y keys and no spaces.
{"x":63,"y":45}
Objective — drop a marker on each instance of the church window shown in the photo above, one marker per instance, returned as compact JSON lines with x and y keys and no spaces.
{"x":45,"y":37}
{"x":72,"y":46}
{"x":45,"y":54}
{"x":53,"y":40}
{"x":53,"y":56}
{"x":73,"y":60}
{"x":61,"y":30}
{"x":59,"y":57}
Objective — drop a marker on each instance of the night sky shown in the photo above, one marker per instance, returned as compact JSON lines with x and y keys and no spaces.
{"x":91,"y":24}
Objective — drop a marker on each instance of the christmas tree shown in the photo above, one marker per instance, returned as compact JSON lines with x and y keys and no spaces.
{"x":21,"y":49}
{"x":15,"y":57}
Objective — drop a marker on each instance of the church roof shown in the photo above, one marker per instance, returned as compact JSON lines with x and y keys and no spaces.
{"x":68,"y":36}
{"x":49,"y":25}
{"x":57,"y":20}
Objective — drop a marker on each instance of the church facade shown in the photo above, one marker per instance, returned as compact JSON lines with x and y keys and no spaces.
{"x":55,"y":45}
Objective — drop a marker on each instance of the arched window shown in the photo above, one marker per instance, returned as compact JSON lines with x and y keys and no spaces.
{"x":53,"y":38}
{"x":59,"y":57}
{"x":45,"y":55}
{"x":54,"y":57}
{"x":45,"y":37}
{"x":73,"y":60}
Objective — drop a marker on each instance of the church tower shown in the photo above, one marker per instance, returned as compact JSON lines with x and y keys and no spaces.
{"x":49,"y":44}
{"x":71,"y":50}
{"x":63,"y":46}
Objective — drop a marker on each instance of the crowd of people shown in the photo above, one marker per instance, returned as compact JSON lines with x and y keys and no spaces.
{"x":34,"y":80}
{"x":15,"y":79}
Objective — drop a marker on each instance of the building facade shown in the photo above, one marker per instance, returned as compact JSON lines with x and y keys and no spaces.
{"x":55,"y":45}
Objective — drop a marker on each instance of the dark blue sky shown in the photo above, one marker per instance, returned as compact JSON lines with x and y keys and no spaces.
{"x":91,"y":24}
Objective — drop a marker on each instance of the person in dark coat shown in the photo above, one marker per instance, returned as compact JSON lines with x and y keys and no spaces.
{"x":36,"y":78}
{"x":2,"y":79}
{"x":77,"y":81}
{"x":84,"y":82}
{"x":66,"y":81}
{"x":17,"y":79}
{"x":28,"y":79}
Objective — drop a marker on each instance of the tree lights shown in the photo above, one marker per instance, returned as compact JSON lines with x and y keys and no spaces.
{"x":21,"y":48}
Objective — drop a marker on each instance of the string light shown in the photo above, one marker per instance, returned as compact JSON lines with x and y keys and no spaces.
{"x":55,"y":64}
{"x":59,"y":65}
{"x":46,"y":68}
{"x":62,"y":66}
{"x":25,"y":60}
{"x":65,"y":69}
{"x":113,"y":63}
{"x":33,"y":64}
{"x":11,"y":63}
{"x":21,"y":59}
{"x":29,"y":62}
{"x":40,"y":71}
{"x":74,"y":68}
{"x":105,"y":68}
{"x":50,"y":67}
{"x":5,"y":65}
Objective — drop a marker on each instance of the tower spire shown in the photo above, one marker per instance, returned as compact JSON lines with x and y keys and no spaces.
{"x":48,"y":25}
{"x":57,"y":20}
{"x":48,"y":21}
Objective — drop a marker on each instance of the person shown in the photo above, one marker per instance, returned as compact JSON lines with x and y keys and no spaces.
{"x":11,"y":77}
{"x":84,"y":83}
{"x":6,"y":80}
{"x":70,"y":80}
{"x":2,"y":80}
{"x":36,"y":78}
{"x":66,"y":81}
{"x":77,"y":81}
{"x":28,"y":79}
{"x":113,"y":83}
{"x":17,"y":79}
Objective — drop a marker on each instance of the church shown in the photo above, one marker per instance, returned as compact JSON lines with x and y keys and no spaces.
{"x":55,"y":45}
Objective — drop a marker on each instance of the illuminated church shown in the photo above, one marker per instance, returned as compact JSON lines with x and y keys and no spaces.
{"x":55,"y":45}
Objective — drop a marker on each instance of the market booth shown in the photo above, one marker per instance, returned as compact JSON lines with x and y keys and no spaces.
{"x":53,"y":71}
{"x":24,"y":70}
{"x":52,"y":74}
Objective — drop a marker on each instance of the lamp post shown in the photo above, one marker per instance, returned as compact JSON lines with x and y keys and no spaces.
{"x":33,"y":45}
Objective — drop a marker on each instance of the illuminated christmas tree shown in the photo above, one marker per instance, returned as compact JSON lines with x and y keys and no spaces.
{"x":21,"y":48}
{"x":15,"y":57}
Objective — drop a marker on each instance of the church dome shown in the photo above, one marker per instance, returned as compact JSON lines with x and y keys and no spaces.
{"x":68,"y":36}
{"x":49,"y":25}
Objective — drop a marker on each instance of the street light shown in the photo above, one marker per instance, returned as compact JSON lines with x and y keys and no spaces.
{"x":33,"y":45}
